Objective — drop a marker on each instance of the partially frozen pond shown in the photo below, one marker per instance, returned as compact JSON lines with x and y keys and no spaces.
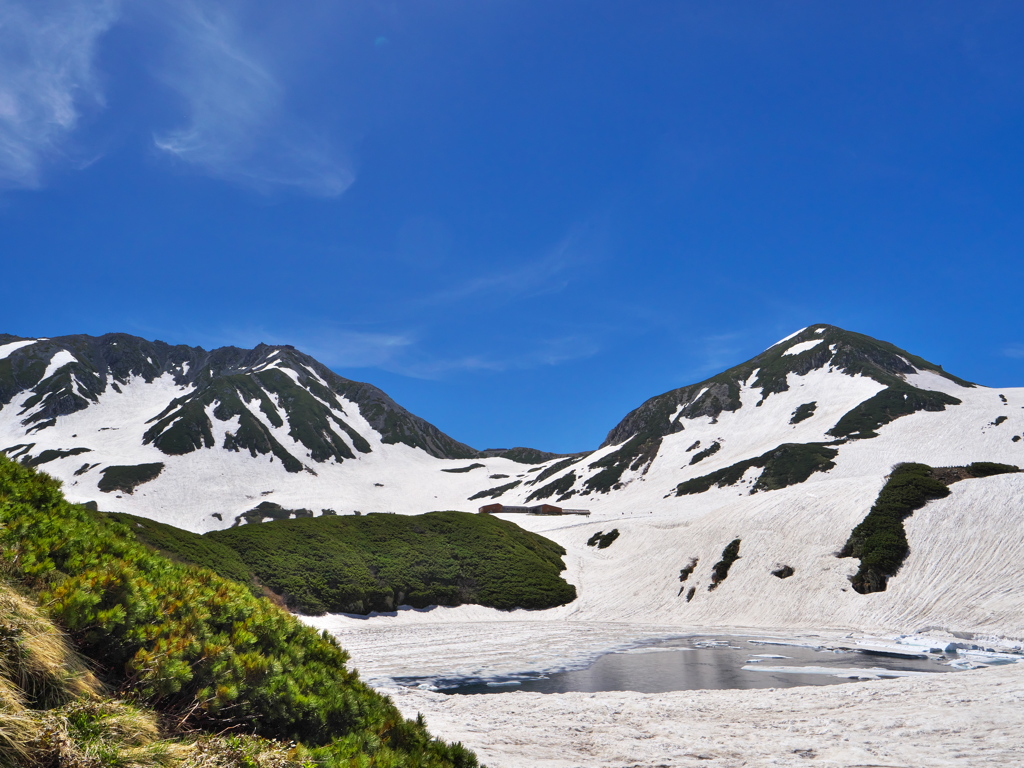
{"x":693,"y":663}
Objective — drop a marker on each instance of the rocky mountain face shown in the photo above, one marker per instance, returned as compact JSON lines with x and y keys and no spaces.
{"x":193,"y":431}
{"x":633,"y":444}
{"x":263,"y":388}
{"x":832,"y":480}
{"x":204,"y":439}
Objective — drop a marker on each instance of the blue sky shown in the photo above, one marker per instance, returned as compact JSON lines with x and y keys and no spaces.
{"x":520,"y":219}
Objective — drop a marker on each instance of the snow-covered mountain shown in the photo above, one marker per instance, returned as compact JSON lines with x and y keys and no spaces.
{"x":785,"y":453}
{"x":780,"y":459}
{"x":196,"y":437}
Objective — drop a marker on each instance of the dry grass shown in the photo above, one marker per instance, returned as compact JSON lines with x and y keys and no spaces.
{"x":52,"y":713}
{"x":36,"y":658}
{"x":18,"y":730}
{"x":102,"y":734}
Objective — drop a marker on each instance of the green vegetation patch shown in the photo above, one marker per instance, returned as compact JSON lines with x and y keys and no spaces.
{"x":189,"y":548}
{"x":52,"y":455}
{"x":889,"y":405}
{"x":990,"y":468}
{"x":554,"y":469}
{"x":493,"y":493}
{"x":711,"y":450}
{"x":684,"y":573}
{"x":880,"y":540}
{"x":352,"y":564}
{"x":793,"y":463}
{"x":720,"y":570}
{"x":470,"y":468}
{"x":527,"y":455}
{"x":635,"y":454}
{"x":127,"y":478}
{"x":718,"y":479}
{"x":803,"y":412}
{"x":269,"y":510}
{"x":603,"y":540}
{"x":199,"y":650}
{"x":786,"y":465}
{"x":560,"y":486}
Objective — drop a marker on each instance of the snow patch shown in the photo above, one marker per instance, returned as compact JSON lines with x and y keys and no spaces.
{"x":934,"y":382}
{"x":803,"y":346}
{"x":7,"y":349}
{"x":58,"y":361}
{"x":787,"y":338}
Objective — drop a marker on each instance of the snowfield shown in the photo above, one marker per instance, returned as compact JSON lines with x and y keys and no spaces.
{"x":967,"y":719}
{"x":963,"y":719}
{"x":963,"y":579}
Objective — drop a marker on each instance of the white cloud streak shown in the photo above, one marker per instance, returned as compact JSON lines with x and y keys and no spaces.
{"x":548,"y":274}
{"x":400,"y":352}
{"x":47,"y":80}
{"x":238,"y":127}
{"x":1014,"y":350}
{"x":338,"y":348}
{"x":546,"y":353}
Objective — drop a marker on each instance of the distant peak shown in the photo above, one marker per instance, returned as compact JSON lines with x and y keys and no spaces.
{"x":807,"y":332}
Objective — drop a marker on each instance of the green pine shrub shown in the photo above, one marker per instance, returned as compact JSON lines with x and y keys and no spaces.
{"x":377,"y":562}
{"x":199,"y":649}
{"x":786,"y":465}
{"x":880,"y":540}
{"x":128,"y":477}
{"x":720,"y":570}
{"x":603,"y":540}
{"x":803,"y":412}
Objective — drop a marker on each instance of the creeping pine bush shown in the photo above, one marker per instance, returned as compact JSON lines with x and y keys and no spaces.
{"x":603,"y":540}
{"x":880,"y":540}
{"x":201,"y":650}
{"x":720,"y":570}
{"x":377,"y":562}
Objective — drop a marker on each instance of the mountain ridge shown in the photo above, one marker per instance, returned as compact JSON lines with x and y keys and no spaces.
{"x":201,"y":438}
{"x":113,"y":359}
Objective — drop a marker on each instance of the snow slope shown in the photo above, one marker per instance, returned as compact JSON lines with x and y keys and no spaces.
{"x":964,"y":549}
{"x":961,"y":720}
{"x":870,"y":403}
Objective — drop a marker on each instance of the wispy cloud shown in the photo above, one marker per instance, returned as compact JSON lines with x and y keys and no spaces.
{"x":47,"y":80}
{"x":1014,"y":350}
{"x":548,"y":274}
{"x":402,"y":352}
{"x":338,"y":348}
{"x":715,"y":353}
{"x":545,"y":353}
{"x":238,"y":127}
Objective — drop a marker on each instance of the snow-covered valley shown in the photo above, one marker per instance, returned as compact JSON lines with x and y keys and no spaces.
{"x":853,"y":409}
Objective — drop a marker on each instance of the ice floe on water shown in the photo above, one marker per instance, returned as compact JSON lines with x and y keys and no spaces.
{"x":937,"y":720}
{"x":873,"y":717}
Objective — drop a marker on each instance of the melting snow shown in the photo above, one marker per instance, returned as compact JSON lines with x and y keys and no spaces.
{"x":58,"y":361}
{"x":787,"y":338}
{"x":7,"y":349}
{"x":803,"y":346}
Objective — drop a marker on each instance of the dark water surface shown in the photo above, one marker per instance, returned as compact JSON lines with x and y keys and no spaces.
{"x":698,"y":663}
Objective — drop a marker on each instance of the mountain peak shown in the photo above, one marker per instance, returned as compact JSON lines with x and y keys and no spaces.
{"x":820,"y":346}
{"x":256,"y":391}
{"x":908,"y":383}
